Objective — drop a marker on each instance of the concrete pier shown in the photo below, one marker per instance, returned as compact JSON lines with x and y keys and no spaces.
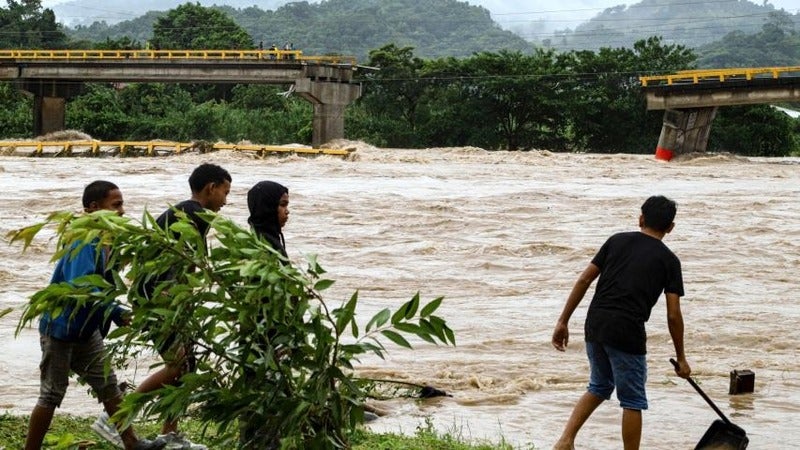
{"x":685,"y":131}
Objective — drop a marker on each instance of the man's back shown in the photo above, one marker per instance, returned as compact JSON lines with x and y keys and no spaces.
{"x":635,"y":269}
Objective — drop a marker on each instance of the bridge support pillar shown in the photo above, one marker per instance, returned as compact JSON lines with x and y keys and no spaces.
{"x":49,"y":114}
{"x":685,"y":131}
{"x":329,"y":100}
{"x":49,"y":103}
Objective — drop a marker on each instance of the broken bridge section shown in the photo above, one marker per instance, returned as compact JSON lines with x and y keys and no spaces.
{"x":690,"y":100}
{"x":53,"y":77}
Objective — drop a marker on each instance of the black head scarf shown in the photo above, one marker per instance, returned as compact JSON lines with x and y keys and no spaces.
{"x":262,"y":201}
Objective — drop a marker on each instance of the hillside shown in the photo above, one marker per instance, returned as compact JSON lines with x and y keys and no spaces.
{"x":85,"y":12}
{"x":692,"y":23}
{"x":724,"y":33}
{"x":435,"y":28}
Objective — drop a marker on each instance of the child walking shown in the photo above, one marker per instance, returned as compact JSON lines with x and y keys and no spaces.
{"x":210,"y":185}
{"x":72,"y":341}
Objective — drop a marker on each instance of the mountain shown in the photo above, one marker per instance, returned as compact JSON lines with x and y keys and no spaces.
{"x":687,"y":22}
{"x":435,"y":28}
{"x":72,"y":13}
{"x":458,"y":28}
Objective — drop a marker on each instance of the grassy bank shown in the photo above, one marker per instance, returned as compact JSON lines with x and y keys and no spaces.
{"x":76,"y":429}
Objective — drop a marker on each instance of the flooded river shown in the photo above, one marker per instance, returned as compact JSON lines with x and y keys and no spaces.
{"x":502,"y":236}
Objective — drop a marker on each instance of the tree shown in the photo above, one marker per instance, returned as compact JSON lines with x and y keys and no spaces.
{"x":608,"y":109}
{"x":24,"y":24}
{"x":733,"y":131}
{"x":515,"y":99}
{"x":99,"y":112}
{"x":395,"y":93}
{"x":191,"y":26}
{"x":16,"y":119}
{"x":251,"y":316}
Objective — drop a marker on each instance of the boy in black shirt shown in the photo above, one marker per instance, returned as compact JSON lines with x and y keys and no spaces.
{"x":210,"y":185}
{"x":634,"y":269}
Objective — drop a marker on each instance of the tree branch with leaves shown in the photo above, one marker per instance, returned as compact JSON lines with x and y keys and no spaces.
{"x":271,"y":352}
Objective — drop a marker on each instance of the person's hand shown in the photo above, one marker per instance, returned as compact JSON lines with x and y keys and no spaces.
{"x":560,"y":337}
{"x":682,"y":367}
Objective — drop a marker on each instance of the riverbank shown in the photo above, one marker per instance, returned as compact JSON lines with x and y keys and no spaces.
{"x":13,"y":429}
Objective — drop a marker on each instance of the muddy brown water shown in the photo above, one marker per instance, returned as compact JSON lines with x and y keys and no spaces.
{"x":502,"y":236}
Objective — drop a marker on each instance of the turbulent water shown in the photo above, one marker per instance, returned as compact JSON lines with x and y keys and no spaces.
{"x":502,"y":236}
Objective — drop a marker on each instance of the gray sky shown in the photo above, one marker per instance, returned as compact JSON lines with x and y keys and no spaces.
{"x":562,"y":14}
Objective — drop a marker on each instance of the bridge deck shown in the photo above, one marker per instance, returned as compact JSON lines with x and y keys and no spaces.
{"x":701,"y":76}
{"x":174,"y":54}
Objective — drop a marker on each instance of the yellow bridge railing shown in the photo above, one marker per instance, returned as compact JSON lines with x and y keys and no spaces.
{"x":215,"y":55}
{"x":719,"y":75}
{"x":151,"y":148}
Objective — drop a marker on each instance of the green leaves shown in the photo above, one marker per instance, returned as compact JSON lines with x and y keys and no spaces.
{"x":271,"y":353}
{"x":407,"y":311}
{"x":425,"y":325}
{"x":379,"y":319}
{"x":431,"y":307}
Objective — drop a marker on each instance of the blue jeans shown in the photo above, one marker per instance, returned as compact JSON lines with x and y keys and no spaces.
{"x":612,"y":368}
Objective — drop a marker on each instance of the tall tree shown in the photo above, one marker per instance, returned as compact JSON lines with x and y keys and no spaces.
{"x":191,"y":26}
{"x":395,"y":93}
{"x":24,"y":24}
{"x":516,"y":100}
{"x":15,"y":112}
{"x":608,"y":111}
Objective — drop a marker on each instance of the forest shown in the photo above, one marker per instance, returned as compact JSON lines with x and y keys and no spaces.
{"x":510,"y":98}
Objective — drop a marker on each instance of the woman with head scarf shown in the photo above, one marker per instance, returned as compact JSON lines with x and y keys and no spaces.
{"x":268,"y":203}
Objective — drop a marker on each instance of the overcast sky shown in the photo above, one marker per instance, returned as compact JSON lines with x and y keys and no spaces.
{"x":562,"y":14}
{"x":510,"y":14}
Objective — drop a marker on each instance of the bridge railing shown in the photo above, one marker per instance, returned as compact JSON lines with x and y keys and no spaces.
{"x":149,"y":148}
{"x":173,"y":54}
{"x":719,"y":75}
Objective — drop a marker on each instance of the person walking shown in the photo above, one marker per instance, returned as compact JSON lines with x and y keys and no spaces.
{"x":210,"y":185}
{"x":634,"y":269}
{"x":72,"y":340}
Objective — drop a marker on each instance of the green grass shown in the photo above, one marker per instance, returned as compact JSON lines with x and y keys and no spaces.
{"x":66,"y":428}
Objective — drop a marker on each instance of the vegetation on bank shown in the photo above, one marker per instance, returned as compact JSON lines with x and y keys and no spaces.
{"x":274,"y":357}
{"x":575,"y":101}
{"x":13,"y":429}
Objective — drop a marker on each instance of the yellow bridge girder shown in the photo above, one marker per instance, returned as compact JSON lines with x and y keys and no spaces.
{"x":174,"y":54}
{"x":154,"y":148}
{"x":719,"y":75}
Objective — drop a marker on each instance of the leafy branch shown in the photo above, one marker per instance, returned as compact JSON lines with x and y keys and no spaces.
{"x":271,"y":355}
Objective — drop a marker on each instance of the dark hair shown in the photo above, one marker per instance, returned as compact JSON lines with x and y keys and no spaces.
{"x":659,"y":212}
{"x":97,"y":191}
{"x":207,"y":173}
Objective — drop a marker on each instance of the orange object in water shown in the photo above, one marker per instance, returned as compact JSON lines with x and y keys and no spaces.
{"x":663,"y":154}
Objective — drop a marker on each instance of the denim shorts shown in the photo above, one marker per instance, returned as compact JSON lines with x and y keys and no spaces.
{"x":612,"y":368}
{"x":87,"y":359}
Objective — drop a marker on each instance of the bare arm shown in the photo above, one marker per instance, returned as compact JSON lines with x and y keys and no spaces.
{"x":675,"y":323}
{"x":561,"y":333}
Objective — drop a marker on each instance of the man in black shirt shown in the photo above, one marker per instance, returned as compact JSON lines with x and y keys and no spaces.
{"x":634,"y":269}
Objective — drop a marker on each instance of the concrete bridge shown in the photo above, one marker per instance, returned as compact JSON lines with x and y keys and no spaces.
{"x":53,"y":76}
{"x":690,"y":100}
